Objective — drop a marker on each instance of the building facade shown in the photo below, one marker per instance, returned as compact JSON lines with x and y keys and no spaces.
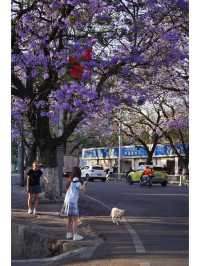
{"x":132,"y":156}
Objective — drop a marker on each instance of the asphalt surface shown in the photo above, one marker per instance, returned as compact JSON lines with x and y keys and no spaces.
{"x":157,"y":216}
{"x":154,"y":232}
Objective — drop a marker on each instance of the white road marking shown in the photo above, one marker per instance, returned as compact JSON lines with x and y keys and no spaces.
{"x":100,"y":202}
{"x":155,"y":194}
{"x":134,"y":236}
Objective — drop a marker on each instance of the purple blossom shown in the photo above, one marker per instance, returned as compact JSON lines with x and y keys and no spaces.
{"x":141,"y":100}
{"x":74,"y":2}
{"x":129,"y":100}
{"x":77,"y":103}
{"x":66,"y":106}
{"x":86,"y":75}
{"x":40,"y":104}
{"x":183,"y":4}
{"x":178,"y":123}
{"x":137,"y":58}
{"x":26,"y":19}
{"x":171,"y":37}
{"x":125,"y":71}
{"x":103,"y":18}
{"x":120,"y":8}
{"x":43,"y":114}
{"x":115,"y":44}
{"x":34,"y":73}
{"x":56,"y":4}
{"x":114,"y":60}
{"x":46,"y":75}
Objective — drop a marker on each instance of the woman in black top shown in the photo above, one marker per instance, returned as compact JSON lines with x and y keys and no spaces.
{"x":33,"y":186}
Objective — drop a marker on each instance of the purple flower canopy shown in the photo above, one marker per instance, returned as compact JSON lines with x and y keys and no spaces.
{"x":51,"y":39}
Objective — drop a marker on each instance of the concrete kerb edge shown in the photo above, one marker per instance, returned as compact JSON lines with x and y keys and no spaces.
{"x":84,"y":251}
{"x":55,"y":258}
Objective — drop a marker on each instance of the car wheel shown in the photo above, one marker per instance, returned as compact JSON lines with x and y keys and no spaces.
{"x":130,"y":182}
{"x":103,"y":179}
{"x":164,"y":184}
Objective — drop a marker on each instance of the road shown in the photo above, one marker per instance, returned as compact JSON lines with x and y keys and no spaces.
{"x":155,"y":229}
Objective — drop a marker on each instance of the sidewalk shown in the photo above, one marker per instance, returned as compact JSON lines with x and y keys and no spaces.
{"x":43,"y":236}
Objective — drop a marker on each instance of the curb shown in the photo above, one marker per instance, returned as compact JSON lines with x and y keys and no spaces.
{"x":84,"y":252}
{"x":55,"y":258}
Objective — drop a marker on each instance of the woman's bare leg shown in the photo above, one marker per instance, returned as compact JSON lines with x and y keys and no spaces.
{"x":75,"y":224}
{"x":36,"y":200}
{"x":30,"y":196}
{"x":69,"y":225}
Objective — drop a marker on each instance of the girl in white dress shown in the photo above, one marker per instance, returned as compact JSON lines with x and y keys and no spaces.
{"x":71,"y":204}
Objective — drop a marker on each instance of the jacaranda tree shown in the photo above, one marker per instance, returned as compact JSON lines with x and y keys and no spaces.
{"x":69,"y":55}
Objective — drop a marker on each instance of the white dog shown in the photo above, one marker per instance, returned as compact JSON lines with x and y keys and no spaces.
{"x":116,"y":214}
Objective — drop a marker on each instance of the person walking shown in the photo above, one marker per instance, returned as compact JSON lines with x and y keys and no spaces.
{"x":33,"y":186}
{"x":71,"y":209}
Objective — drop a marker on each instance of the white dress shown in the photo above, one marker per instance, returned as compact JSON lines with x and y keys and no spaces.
{"x":71,"y":198}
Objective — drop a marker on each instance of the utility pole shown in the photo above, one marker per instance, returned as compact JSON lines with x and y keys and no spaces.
{"x":119,"y":145}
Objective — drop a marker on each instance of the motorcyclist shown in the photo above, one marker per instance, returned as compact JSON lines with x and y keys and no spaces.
{"x":147,"y":175}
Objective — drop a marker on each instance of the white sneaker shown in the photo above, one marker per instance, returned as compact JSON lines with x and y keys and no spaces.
{"x":29,"y":211}
{"x":69,"y":235}
{"x":34,"y":211}
{"x":77,"y":237}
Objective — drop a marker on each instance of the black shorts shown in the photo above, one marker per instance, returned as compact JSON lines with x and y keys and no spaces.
{"x":34,"y":189}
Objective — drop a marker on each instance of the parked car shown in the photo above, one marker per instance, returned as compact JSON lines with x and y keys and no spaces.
{"x":93,"y":172}
{"x":160,"y":175}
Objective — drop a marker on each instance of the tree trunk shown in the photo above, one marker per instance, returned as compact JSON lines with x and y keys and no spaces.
{"x":150,"y":151}
{"x":31,"y":154}
{"x":52,"y":153}
{"x":149,"y":157}
{"x":22,"y":164}
{"x":48,"y":154}
{"x":52,"y":190}
{"x":185,"y":170}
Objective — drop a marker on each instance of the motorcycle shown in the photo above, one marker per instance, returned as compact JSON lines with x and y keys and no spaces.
{"x":109,"y":176}
{"x":146,"y":181}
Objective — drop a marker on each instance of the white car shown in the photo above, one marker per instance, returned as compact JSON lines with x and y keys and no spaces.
{"x":93,"y":172}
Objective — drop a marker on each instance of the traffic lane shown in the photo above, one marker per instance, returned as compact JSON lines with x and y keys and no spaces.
{"x":159,"y":235}
{"x":152,"y":205}
{"x":117,"y":241}
{"x":125,"y":186}
{"x":156,"y":201}
{"x":163,"y":235}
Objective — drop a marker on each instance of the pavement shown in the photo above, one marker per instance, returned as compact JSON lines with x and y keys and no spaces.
{"x":154,"y":231}
{"x":47,"y":229}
